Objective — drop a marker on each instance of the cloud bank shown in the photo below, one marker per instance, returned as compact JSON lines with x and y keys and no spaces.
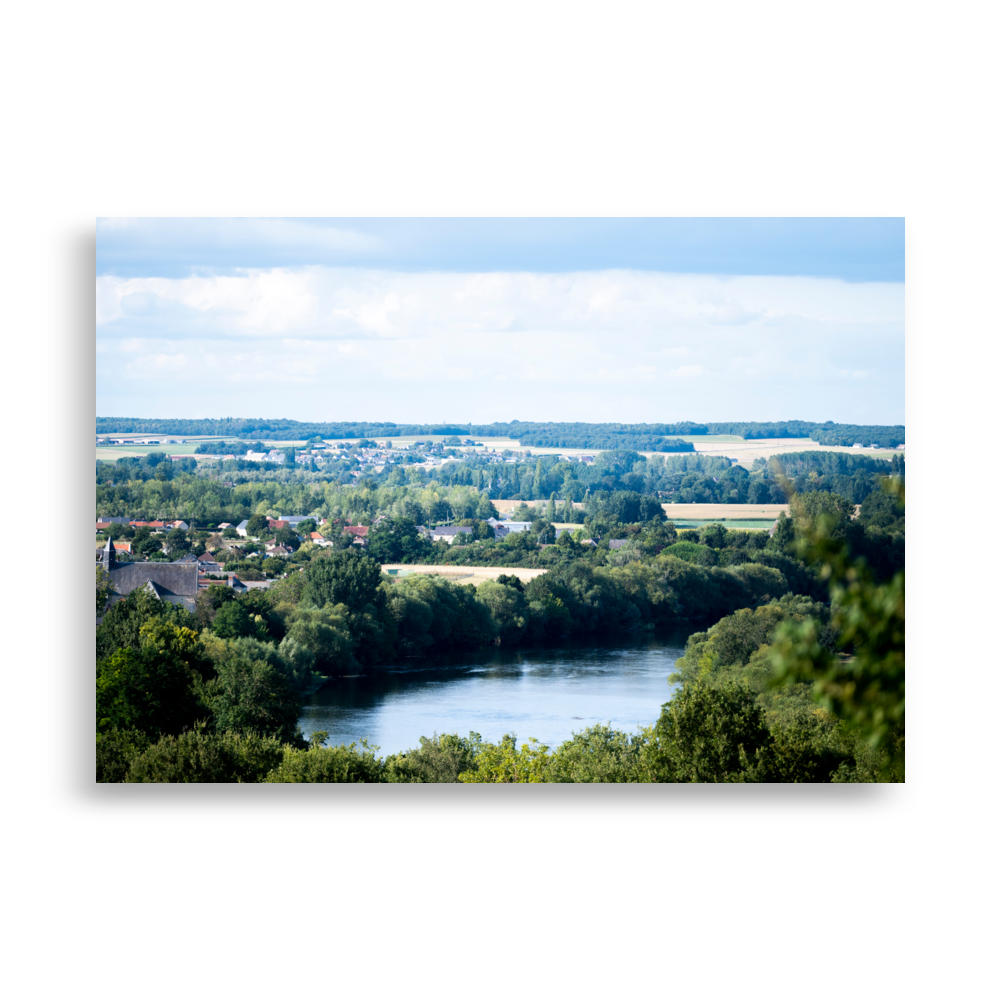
{"x":340,"y":343}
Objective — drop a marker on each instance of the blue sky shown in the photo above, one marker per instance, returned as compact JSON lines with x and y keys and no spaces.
{"x":498,"y":319}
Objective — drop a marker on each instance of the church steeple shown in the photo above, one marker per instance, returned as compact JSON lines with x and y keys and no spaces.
{"x":108,"y":556}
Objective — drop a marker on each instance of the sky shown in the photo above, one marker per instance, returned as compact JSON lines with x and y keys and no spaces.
{"x":476,"y":320}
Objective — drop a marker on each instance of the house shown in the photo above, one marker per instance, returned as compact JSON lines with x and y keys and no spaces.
{"x":276,"y":525}
{"x":296,"y":519}
{"x":513,"y":526}
{"x":208,"y":564}
{"x":123,"y":547}
{"x":224,"y":525}
{"x":448,"y":534}
{"x":358,"y":530}
{"x":241,"y":528}
{"x":618,"y":543}
{"x":173,"y":582}
{"x":278,"y":550}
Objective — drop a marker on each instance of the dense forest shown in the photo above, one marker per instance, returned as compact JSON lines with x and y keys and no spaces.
{"x":153,"y":487}
{"x":638,"y":437}
{"x":800,"y":678}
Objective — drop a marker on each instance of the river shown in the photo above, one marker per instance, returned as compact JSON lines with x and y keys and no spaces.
{"x":548,"y":693}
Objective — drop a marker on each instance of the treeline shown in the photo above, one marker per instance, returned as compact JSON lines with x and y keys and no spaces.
{"x":563,"y":435}
{"x":229,"y":447}
{"x":604,"y":437}
{"x":152,"y":487}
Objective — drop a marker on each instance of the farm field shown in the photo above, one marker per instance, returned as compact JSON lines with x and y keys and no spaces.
{"x":746,"y":451}
{"x":717,"y":511}
{"x":461,"y":574}
{"x":731,"y":523}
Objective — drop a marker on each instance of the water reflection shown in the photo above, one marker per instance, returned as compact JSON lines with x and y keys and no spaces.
{"x":546,"y":693}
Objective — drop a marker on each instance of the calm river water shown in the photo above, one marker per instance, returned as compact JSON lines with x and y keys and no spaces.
{"x":546,"y":693}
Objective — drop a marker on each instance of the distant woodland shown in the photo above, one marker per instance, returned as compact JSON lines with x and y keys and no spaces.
{"x":638,"y":437}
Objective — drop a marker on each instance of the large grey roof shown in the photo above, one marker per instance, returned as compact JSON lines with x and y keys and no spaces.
{"x":169,"y":578}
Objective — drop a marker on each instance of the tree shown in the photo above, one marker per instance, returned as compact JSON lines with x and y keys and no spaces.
{"x":507,"y":606}
{"x":287,"y":536}
{"x":503,"y":763}
{"x":865,"y":684}
{"x":485,"y":509}
{"x":343,"y":764}
{"x":257,"y":525}
{"x":254,"y":696}
{"x":121,"y":626}
{"x":198,"y":756}
{"x":233,"y":620}
{"x":149,"y":689}
{"x":207,"y":603}
{"x":177,"y":543}
{"x":345,"y":577}
{"x":105,"y":588}
{"x":148,"y":546}
{"x":711,"y":734}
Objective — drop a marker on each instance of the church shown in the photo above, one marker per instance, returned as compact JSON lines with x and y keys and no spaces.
{"x":174,"y":582}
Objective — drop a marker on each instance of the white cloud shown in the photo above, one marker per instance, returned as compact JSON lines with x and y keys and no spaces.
{"x":377,"y":343}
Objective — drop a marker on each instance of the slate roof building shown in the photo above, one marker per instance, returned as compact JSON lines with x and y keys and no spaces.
{"x":449,"y":534}
{"x":173,"y":582}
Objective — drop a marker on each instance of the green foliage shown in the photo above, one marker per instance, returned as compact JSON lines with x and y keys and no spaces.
{"x":199,"y":756}
{"x":208,"y":601}
{"x":105,"y":588}
{"x":253,"y":695}
{"x":690,"y":552}
{"x":711,"y":734}
{"x":116,"y":749}
{"x":343,"y":764}
{"x":504,"y":763}
{"x":865,"y":684}
{"x":439,"y":759}
{"x":508,"y":608}
{"x":345,"y":577}
{"x":257,"y":526}
{"x":149,"y":689}
{"x":326,"y":633}
{"x":599,"y":754}
{"x":233,"y":620}
{"x":431,"y":614}
{"x":121,"y":625}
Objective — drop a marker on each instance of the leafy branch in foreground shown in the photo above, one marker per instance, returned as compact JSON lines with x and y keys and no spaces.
{"x":864,"y":682}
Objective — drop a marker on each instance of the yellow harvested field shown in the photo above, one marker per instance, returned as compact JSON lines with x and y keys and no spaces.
{"x":710,"y":511}
{"x":746,"y":451}
{"x":462,"y":574}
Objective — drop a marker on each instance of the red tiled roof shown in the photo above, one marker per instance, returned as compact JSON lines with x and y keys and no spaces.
{"x":358,"y":530}
{"x":316,"y":535}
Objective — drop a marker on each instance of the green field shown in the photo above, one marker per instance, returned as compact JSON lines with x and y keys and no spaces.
{"x":736,"y":524}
